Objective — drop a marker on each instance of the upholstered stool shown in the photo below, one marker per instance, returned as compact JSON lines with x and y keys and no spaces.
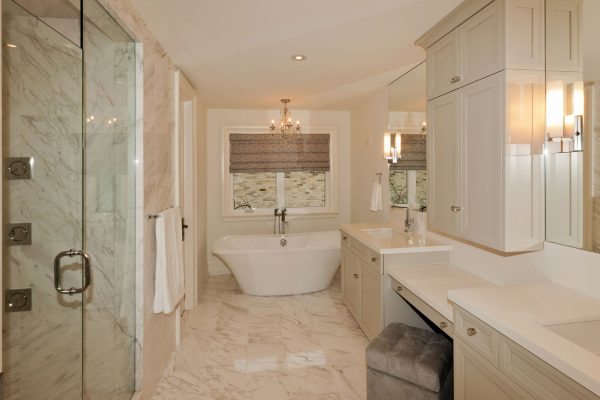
{"x":406,"y":363}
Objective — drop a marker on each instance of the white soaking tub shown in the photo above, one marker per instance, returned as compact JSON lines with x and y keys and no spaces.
{"x":263,"y":266}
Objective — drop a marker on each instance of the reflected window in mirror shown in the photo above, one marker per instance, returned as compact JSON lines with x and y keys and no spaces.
{"x":407,"y":118}
{"x":572,"y":147}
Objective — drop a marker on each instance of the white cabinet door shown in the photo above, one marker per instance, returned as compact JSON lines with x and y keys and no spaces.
{"x":443,"y":115}
{"x":481,"y":44}
{"x":370,"y":300}
{"x":525,"y":38}
{"x":563,"y":26}
{"x":482,"y":141}
{"x":476,"y":379}
{"x":443,"y":65}
{"x":351,"y":282}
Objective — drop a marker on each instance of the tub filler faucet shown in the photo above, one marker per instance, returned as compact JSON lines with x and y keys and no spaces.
{"x":279,"y":221}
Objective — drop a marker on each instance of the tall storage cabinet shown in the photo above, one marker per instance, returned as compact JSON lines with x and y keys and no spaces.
{"x":486,"y":123}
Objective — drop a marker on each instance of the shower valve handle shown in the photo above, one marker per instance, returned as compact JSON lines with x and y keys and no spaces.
{"x":87,"y":271}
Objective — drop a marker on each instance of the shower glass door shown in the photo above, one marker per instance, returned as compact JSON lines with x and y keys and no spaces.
{"x":68,"y":147}
{"x":42,"y":150}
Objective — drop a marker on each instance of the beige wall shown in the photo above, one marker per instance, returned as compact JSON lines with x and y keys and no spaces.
{"x":369,"y":124}
{"x":217,"y":226}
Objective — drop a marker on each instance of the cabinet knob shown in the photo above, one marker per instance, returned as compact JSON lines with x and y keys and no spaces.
{"x":455,"y":79}
{"x":355,"y":276}
{"x":443,"y":324}
{"x":455,"y":208}
{"x":345,"y":237}
{"x":373,"y":259}
{"x":398,"y":288}
{"x":471,"y":331}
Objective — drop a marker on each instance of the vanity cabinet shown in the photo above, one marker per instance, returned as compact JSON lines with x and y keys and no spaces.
{"x":486,"y":133}
{"x":488,"y":365}
{"x":367,"y":291}
{"x":361,"y":285}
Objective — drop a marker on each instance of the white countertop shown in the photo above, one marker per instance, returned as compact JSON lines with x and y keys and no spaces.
{"x":431,"y":283}
{"x":384,"y":239}
{"x":520,"y":311}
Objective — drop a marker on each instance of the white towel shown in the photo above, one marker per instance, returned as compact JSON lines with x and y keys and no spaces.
{"x":376,"y":202}
{"x":169,"y":281}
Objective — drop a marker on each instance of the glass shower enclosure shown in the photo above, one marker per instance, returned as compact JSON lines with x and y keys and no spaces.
{"x":68,"y":202}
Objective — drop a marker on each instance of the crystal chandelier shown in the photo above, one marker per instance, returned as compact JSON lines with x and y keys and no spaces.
{"x":285,"y":123}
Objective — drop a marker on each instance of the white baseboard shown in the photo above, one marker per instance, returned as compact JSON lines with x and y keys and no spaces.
{"x":218,"y":269}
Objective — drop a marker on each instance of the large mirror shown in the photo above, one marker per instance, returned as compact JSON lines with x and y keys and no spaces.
{"x":407,"y":99}
{"x":572,"y":150}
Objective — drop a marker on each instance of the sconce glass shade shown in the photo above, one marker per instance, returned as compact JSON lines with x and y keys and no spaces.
{"x":392,"y":147}
{"x":555,"y":108}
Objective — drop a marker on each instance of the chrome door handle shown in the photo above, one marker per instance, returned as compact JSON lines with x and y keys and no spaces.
{"x":455,"y":79}
{"x":87,"y":271}
{"x":455,"y":208}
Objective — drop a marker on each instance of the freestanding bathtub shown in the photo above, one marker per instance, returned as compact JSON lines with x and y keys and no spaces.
{"x":263,"y":266}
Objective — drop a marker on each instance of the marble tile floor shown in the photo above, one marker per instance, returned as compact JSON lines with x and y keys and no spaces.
{"x":237,"y":346}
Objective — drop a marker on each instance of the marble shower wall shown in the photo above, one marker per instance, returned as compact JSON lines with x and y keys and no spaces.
{"x":42,"y":114}
{"x":157,"y":165}
{"x":110,"y":207}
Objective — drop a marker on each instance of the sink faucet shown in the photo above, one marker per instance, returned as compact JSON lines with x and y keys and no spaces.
{"x":408,"y":222}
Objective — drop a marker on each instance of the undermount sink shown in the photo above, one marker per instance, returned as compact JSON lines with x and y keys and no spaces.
{"x":379,"y":232}
{"x":584,"y":334}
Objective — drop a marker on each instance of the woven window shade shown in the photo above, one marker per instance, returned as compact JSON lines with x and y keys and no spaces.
{"x":413,"y":154}
{"x":278,"y":152}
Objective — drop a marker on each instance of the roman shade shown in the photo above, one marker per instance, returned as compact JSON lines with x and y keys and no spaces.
{"x":412,"y":153}
{"x":278,"y":152}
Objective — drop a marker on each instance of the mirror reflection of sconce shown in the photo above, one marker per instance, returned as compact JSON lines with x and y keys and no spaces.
{"x":575,"y":111}
{"x":555,"y":109}
{"x":392,"y":147}
{"x":564,"y":114}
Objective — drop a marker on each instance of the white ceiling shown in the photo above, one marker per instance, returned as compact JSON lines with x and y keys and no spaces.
{"x":237,"y":52}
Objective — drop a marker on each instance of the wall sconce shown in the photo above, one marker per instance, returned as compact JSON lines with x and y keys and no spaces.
{"x":575,"y":110}
{"x":424,"y":127}
{"x":392,"y":146}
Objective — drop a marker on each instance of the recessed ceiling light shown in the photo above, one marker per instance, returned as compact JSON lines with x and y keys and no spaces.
{"x":298,"y":57}
{"x":12,"y":46}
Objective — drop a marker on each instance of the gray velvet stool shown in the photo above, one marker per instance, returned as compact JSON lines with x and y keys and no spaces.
{"x":406,"y":363}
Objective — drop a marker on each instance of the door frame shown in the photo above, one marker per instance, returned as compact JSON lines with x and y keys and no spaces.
{"x":186,"y":188}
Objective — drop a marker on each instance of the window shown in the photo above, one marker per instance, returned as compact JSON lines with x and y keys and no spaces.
{"x":263,"y":171}
{"x":408,"y":187}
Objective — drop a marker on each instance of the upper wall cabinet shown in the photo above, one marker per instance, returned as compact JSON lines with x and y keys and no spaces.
{"x":486,"y":126}
{"x":564,"y":33}
{"x":500,"y":34}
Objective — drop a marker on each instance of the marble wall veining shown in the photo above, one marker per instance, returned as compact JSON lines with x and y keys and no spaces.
{"x":154,"y":193}
{"x":156,"y":332}
{"x":42,"y":113}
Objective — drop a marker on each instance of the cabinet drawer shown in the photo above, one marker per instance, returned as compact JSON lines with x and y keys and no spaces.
{"x":434,"y":316}
{"x":479,"y":335}
{"x":541,"y":380}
